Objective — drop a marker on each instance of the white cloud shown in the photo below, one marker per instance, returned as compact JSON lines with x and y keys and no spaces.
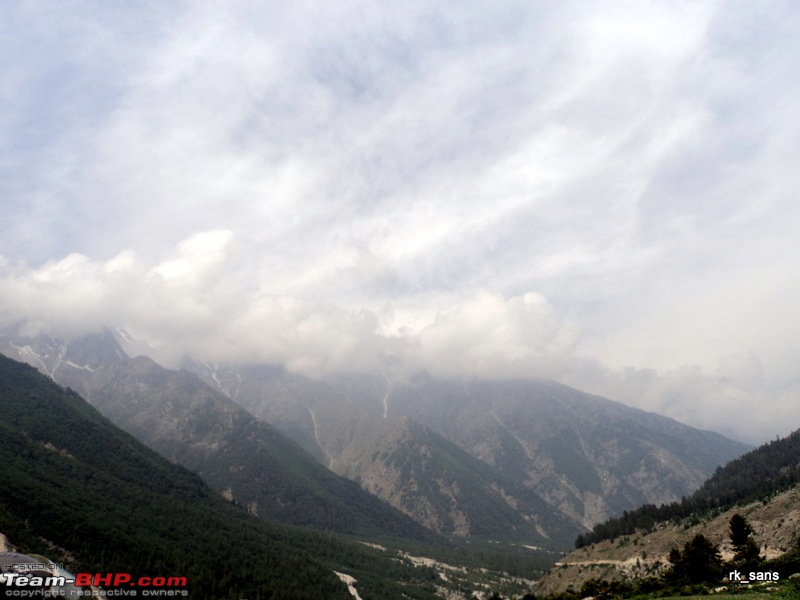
{"x":737,"y":400}
{"x":487,"y":335}
{"x":576,"y":190}
{"x":187,"y":304}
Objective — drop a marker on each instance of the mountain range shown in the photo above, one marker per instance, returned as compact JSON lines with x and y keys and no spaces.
{"x":562,"y":459}
{"x":245,"y":459}
{"x":530,"y":462}
{"x":78,"y":490}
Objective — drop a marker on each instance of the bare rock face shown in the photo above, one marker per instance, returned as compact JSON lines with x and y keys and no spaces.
{"x":555,"y":453}
{"x":439,"y":484}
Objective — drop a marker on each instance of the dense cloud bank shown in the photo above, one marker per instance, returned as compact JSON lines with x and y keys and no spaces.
{"x":190,"y":305}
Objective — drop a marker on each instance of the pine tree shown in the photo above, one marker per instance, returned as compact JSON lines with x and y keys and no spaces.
{"x":746,"y":552}
{"x":699,"y":562}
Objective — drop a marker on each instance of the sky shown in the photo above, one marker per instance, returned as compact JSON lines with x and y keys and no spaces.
{"x":603,"y":193}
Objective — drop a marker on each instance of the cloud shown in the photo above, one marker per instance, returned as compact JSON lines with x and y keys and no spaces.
{"x":76,"y":294}
{"x":187,"y":305}
{"x":579,"y":191}
{"x":490,"y":336}
{"x":736,"y":400}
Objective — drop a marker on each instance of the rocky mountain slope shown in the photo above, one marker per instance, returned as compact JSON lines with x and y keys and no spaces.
{"x":583,"y":456}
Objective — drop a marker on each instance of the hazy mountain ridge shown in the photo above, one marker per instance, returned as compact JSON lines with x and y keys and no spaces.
{"x":419,"y":472}
{"x":400,"y":460}
{"x":583,"y":456}
{"x":533,"y":461}
{"x":443,"y":486}
{"x":588,"y":456}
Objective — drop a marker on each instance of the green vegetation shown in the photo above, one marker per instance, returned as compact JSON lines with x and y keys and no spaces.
{"x":698,"y":563}
{"x":747,"y":555}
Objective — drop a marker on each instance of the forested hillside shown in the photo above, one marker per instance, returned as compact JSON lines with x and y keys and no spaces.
{"x":81,"y":491}
{"x":192,"y":424}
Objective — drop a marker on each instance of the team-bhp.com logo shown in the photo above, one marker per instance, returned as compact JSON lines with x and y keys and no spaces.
{"x":152,"y":586}
{"x":34,"y":576}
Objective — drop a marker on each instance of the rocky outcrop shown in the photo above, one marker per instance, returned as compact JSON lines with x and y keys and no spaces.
{"x":584,"y":458}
